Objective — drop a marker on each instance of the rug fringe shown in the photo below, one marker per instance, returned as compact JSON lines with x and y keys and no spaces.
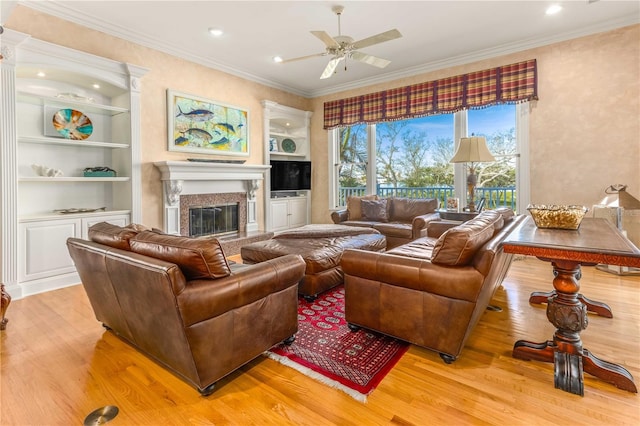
{"x":317,"y":376}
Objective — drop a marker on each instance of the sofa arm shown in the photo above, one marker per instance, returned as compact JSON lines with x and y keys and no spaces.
{"x":421,"y":223}
{"x":340,"y":216}
{"x":463,"y":282}
{"x":205,"y":299}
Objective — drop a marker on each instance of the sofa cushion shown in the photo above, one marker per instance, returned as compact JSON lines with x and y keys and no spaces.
{"x":354,"y":207}
{"x":375,"y":210}
{"x":198,"y":258}
{"x":405,"y":209}
{"x":458,"y":245}
{"x":420,"y":248}
{"x":113,"y":235}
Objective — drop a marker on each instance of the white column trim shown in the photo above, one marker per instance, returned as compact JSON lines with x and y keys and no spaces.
{"x":9,"y":164}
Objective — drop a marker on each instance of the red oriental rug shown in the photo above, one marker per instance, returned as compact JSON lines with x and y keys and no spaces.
{"x":328,"y":351}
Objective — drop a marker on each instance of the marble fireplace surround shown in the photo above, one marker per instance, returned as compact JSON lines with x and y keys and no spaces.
{"x":197,"y":178}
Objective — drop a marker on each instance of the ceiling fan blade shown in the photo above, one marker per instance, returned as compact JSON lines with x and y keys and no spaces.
{"x":378,"y":38}
{"x":326,"y":39}
{"x":331,"y":66}
{"x":284,"y":61}
{"x":369,"y":59}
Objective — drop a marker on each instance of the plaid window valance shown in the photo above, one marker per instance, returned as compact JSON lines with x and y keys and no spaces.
{"x":507,"y":84}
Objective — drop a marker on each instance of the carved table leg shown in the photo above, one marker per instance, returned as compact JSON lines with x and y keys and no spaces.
{"x":5,"y":300}
{"x":568,"y":313}
{"x":599,"y":308}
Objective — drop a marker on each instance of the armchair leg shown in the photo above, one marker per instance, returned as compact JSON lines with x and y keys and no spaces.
{"x":310,"y":299}
{"x":289,"y":340}
{"x":448,"y":359}
{"x":353,"y":327}
{"x":208,"y":390}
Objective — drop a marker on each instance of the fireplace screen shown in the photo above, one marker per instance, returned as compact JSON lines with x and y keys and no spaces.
{"x":213,"y":220}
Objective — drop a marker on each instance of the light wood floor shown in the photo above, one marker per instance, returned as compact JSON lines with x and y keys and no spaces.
{"x":58,"y":364}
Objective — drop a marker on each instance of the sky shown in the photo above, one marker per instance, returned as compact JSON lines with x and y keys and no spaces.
{"x":482,"y":121}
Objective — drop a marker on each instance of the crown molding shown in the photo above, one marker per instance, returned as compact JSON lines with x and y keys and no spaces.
{"x":62,"y":11}
{"x":505,"y":49}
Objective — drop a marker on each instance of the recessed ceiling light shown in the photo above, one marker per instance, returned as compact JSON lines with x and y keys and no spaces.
{"x":277,"y":59}
{"x":41,"y":74}
{"x":216,"y":32}
{"x":553,"y":9}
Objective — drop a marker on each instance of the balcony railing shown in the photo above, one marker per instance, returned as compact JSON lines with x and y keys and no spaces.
{"x":494,"y":196}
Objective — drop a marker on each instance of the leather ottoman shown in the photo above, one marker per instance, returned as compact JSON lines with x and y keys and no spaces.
{"x":321,"y":247}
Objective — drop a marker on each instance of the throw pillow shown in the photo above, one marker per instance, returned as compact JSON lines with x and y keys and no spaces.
{"x":354,"y":208}
{"x":375,"y":210}
{"x":458,"y":245}
{"x":113,"y":235}
{"x":201,"y":258}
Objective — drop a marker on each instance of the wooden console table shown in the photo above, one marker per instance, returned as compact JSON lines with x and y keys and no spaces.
{"x":596,"y":241}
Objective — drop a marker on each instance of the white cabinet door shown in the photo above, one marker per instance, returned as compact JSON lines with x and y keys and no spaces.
{"x":288,"y":213}
{"x":43,"y":247}
{"x":297,"y":212}
{"x":279,"y":215}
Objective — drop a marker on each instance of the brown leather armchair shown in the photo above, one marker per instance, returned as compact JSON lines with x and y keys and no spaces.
{"x":432,"y":291}
{"x":178,"y":301}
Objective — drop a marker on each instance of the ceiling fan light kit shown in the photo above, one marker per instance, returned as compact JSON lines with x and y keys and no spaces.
{"x":343,"y":47}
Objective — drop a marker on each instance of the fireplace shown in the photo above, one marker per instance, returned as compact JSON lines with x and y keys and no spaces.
{"x":207,"y":184}
{"x":213,"y":214}
{"x":221,"y":219}
{"x":182,"y":178}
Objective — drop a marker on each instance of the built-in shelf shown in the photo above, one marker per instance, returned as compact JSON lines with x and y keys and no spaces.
{"x":286,"y":135}
{"x":72,"y":179}
{"x":66,"y":103}
{"x":57,"y":215}
{"x":285,"y":154}
{"x":59,"y":141}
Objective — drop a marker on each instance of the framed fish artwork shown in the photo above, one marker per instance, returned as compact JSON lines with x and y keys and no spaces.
{"x":203,"y":126}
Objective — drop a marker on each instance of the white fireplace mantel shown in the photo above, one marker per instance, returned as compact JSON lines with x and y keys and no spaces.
{"x":191,"y":177}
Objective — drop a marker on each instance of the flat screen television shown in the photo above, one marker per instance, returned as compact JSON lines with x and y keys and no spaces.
{"x":290,"y":175}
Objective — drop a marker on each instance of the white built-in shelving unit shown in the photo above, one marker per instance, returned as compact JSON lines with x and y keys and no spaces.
{"x":39,"y":79}
{"x":286,"y":137}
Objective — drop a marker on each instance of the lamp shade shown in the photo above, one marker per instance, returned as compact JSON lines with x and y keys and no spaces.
{"x":472,"y":150}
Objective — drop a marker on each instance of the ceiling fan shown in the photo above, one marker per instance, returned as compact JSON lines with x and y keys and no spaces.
{"x":343,"y":47}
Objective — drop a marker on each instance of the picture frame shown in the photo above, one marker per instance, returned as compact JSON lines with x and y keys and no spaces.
{"x":453,"y":204}
{"x":204,"y":126}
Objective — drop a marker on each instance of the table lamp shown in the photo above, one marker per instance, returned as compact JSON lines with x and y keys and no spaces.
{"x":472,"y":150}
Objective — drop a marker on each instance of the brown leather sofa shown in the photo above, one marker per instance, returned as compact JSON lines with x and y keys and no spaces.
{"x":432,"y":291}
{"x":178,"y":300}
{"x":400,"y":220}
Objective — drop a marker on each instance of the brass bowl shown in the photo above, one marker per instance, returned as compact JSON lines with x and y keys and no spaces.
{"x":557,"y":217}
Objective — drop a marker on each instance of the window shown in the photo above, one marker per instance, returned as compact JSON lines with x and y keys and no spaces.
{"x":497,"y":180}
{"x":410,"y":158}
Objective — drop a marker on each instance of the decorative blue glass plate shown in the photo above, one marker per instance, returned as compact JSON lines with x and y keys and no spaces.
{"x":72,"y":124}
